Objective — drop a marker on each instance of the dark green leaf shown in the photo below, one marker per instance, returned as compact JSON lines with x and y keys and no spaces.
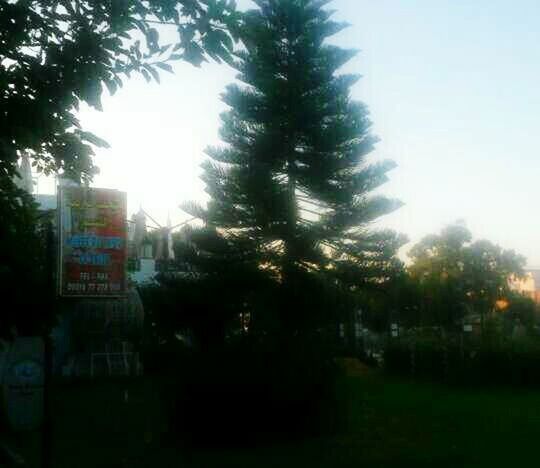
{"x":164,"y":66}
{"x":153,"y":72}
{"x":145,"y":74}
{"x":111,"y":86}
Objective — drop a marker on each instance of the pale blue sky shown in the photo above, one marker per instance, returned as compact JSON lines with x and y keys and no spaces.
{"x":454,"y":92}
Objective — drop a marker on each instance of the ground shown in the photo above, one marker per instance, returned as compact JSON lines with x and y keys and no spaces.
{"x":391,"y":422}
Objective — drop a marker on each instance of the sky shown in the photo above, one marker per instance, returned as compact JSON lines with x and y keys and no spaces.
{"x":453,"y":88}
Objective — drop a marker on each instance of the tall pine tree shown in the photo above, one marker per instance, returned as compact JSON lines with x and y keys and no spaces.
{"x":291,"y":191}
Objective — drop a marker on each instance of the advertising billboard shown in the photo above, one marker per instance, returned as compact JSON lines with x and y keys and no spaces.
{"x":93,"y":237}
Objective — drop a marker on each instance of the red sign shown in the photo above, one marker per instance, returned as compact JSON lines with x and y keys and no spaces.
{"x":92,"y":242}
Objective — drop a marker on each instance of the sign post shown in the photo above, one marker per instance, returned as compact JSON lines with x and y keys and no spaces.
{"x":91,"y":262}
{"x":93,"y":247}
{"x":47,"y":429}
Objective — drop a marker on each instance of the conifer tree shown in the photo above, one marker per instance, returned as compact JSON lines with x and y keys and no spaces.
{"x":291,"y":191}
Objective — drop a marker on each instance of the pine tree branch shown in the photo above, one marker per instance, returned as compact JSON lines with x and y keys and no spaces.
{"x":313,"y":202}
{"x":310,"y":211}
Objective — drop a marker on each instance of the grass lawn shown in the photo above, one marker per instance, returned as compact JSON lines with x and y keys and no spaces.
{"x":391,"y":422}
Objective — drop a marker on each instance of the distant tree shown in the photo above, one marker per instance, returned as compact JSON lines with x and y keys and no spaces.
{"x":55,"y":54}
{"x":437,"y":266}
{"x":204,"y":292}
{"x":455,"y":275}
{"x":291,"y":192}
{"x":24,"y":278}
{"x":488,"y":270}
{"x":521,"y":309}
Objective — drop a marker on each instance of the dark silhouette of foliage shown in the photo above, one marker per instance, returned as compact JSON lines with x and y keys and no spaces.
{"x":25,"y":269}
{"x":398,"y":302}
{"x":456,"y":276}
{"x":521,"y":309}
{"x":291,"y":189}
{"x":246,"y":395}
{"x":57,"y":54}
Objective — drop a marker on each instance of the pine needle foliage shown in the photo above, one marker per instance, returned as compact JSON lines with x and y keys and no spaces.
{"x":291,"y":189}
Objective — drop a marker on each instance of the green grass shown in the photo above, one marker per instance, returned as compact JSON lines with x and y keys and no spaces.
{"x":408,"y":423}
{"x":390,"y":422}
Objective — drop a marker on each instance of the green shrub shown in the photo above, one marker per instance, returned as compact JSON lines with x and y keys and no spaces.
{"x":246,"y":394}
{"x":495,"y":362}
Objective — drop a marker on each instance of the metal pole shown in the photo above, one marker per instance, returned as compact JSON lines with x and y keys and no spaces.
{"x":46,"y":441}
{"x":46,"y":461}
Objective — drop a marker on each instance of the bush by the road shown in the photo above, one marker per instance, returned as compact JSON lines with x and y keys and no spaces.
{"x":513,"y":362}
{"x":246,"y":393}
